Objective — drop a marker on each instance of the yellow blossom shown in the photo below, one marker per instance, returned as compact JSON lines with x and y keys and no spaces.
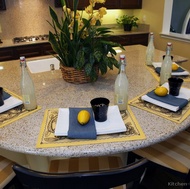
{"x":89,"y":9}
{"x":93,"y":21}
{"x":65,"y":9}
{"x":80,"y":24}
{"x":102,"y":11}
{"x":92,"y":2}
{"x":97,"y":16}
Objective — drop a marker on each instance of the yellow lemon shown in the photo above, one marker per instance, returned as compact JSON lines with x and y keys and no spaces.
{"x":83,"y":117}
{"x":161,"y":91}
{"x":174,"y":67}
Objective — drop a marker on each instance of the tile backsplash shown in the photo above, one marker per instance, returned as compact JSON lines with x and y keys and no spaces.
{"x":25,"y":17}
{"x":29,"y":17}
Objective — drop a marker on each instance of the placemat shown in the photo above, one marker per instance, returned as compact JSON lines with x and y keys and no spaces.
{"x":15,"y":113}
{"x":47,"y":138}
{"x":177,"y":117}
{"x":157,"y":77}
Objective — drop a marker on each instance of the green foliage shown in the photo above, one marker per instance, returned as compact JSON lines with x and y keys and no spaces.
{"x":126,"y":19}
{"x":84,"y":47}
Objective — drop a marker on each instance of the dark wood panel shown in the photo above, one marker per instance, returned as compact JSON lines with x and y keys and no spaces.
{"x":34,"y":50}
{"x":110,"y":4}
{"x":2,"y":5}
{"x":29,"y":50}
{"x":139,"y":39}
{"x":131,"y":4}
{"x":6,"y":54}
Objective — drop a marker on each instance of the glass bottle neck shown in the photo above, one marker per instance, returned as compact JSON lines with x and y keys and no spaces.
{"x":123,"y":66}
{"x":168,"y":51}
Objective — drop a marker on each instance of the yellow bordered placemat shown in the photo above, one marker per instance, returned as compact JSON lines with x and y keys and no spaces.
{"x":177,"y":117}
{"x":47,"y":138}
{"x":15,"y":113}
{"x":157,"y":77}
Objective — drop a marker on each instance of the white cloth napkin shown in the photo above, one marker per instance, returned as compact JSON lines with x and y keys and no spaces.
{"x":159,"y":64}
{"x":10,"y":103}
{"x":184,"y":93}
{"x":113,"y":124}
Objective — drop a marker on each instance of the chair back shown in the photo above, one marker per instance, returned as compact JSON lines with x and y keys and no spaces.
{"x":81,"y":180}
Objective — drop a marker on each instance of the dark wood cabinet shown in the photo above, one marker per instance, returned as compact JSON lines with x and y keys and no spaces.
{"x":41,"y":49}
{"x":132,"y":39}
{"x":6,"y":54}
{"x":131,"y":4}
{"x":2,"y":5}
{"x":110,"y":4}
{"x":28,"y":51}
{"x":31,"y":50}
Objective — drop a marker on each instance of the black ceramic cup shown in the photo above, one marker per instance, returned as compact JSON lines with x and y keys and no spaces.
{"x":1,"y":97}
{"x":174,"y":85}
{"x":100,"y":108}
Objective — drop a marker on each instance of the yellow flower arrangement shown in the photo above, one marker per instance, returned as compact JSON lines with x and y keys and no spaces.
{"x":80,"y":42}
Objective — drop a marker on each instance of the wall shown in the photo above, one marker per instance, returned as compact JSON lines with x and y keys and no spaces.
{"x":153,"y":12}
{"x":29,"y":17}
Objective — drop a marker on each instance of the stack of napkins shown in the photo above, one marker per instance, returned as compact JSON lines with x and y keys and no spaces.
{"x":173,"y":103}
{"x":113,"y":124}
{"x":9,"y":102}
{"x":179,"y":72}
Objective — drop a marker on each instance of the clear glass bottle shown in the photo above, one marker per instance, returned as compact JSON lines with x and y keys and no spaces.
{"x":121,"y":86}
{"x":27,"y":87}
{"x":150,"y":50}
{"x":166,"y":68}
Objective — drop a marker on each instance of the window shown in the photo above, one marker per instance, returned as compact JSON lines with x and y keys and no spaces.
{"x":167,"y":20}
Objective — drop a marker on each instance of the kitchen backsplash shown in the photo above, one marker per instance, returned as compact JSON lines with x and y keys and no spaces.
{"x":29,"y":17}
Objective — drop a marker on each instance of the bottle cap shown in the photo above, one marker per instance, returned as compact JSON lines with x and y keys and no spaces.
{"x":22,"y":58}
{"x":122,"y":56}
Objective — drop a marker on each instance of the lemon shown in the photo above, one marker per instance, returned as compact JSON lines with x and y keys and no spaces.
{"x":161,"y":91}
{"x":174,"y":67}
{"x":83,"y":117}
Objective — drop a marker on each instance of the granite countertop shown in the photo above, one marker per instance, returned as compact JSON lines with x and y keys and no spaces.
{"x":53,"y":92}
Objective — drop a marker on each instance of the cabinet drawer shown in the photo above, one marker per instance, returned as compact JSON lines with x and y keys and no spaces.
{"x":140,"y":39}
{"x":29,"y":51}
{"x":6,"y":54}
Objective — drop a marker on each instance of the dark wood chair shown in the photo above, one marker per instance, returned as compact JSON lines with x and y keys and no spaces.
{"x":82,"y":180}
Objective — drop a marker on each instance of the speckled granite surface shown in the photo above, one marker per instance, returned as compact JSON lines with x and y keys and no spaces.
{"x":53,"y":92}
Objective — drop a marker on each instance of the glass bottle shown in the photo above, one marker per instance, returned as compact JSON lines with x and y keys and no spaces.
{"x":166,"y":68}
{"x":150,"y":50}
{"x":27,"y":87}
{"x":121,"y":86}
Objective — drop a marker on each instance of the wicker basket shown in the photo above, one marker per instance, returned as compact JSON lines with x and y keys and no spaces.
{"x":72,"y":75}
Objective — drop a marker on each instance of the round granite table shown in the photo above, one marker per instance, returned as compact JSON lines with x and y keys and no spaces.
{"x":18,"y":139}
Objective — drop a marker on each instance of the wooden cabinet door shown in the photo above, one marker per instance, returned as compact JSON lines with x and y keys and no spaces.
{"x":81,"y":6}
{"x":130,"y":4}
{"x":109,"y":4}
{"x":29,"y":50}
{"x":6,"y":54}
{"x":2,"y":5}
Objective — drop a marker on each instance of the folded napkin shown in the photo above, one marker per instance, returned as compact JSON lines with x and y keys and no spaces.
{"x":169,"y":102}
{"x":113,"y":124}
{"x":169,"y":99}
{"x":6,"y":95}
{"x":9,"y":102}
{"x":76,"y":130}
{"x":179,"y":72}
